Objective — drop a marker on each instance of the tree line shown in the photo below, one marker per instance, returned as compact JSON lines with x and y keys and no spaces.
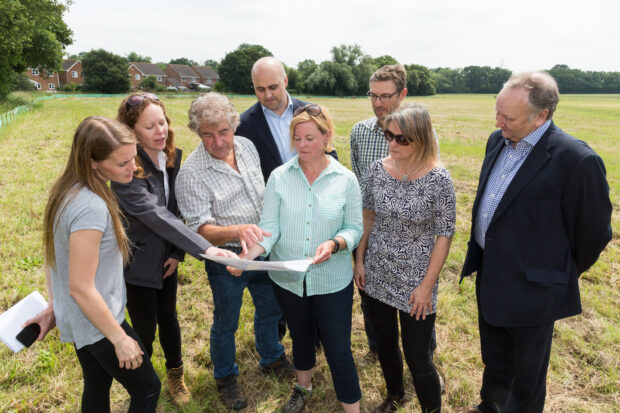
{"x":33,"y":34}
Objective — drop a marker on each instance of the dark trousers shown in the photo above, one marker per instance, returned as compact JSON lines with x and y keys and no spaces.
{"x":416,"y":338}
{"x":100,"y":365}
{"x":149,"y":308}
{"x":331,"y":314}
{"x":516,"y":362}
{"x":370,"y":333}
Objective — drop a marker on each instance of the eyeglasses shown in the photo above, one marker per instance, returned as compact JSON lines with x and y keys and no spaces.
{"x":382,"y":98}
{"x":400,"y":139}
{"x":312,"y":110}
{"x":137,"y":99}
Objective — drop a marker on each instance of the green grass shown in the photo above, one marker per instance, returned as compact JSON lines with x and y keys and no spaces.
{"x":583,"y":374}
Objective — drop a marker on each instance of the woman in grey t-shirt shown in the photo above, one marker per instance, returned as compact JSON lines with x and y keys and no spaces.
{"x":85,"y":246}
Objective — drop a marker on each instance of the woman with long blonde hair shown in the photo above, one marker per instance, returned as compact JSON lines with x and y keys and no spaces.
{"x":85,"y":248}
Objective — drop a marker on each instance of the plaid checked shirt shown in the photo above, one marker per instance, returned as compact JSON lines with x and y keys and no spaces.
{"x":367,"y":145}
{"x":209,"y":191}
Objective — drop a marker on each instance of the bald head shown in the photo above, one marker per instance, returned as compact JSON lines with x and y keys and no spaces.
{"x":268,"y":64}
{"x":270,"y":81}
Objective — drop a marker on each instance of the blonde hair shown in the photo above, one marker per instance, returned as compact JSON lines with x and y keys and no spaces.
{"x":323,"y":121}
{"x":415,"y":123}
{"x":94,"y":140}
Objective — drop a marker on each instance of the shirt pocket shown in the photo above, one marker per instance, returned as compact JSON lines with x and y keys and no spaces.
{"x":331,"y":206}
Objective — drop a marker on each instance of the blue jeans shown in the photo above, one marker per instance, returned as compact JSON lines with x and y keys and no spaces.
{"x":331,"y":314}
{"x":227,"y":299}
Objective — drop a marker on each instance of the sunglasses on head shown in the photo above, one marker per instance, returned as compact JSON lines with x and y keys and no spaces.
{"x":137,"y":99}
{"x":312,"y":110}
{"x":400,"y":139}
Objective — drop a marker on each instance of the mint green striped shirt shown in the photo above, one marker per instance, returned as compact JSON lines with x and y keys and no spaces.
{"x":301,"y":216}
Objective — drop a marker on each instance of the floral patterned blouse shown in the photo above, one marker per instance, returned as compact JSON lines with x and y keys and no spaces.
{"x":409,"y":215}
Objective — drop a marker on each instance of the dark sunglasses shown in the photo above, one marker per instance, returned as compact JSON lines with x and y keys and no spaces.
{"x":137,"y":99}
{"x":400,"y":139}
{"x":312,"y":110}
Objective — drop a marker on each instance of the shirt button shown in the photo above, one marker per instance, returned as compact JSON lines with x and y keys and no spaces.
{"x":484,"y":215}
{"x":492,"y":196}
{"x":307,"y":222}
{"x":503,"y":176}
{"x":309,"y":205}
{"x":307,"y":239}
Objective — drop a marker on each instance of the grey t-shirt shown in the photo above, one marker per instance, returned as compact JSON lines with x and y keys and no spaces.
{"x":85,"y":210}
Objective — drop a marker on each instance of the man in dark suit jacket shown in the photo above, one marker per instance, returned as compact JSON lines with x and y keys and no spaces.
{"x":273,"y":146}
{"x":541,"y":217}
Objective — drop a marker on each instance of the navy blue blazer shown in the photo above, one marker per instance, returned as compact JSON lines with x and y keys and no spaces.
{"x":550,"y":226}
{"x":254,"y":126}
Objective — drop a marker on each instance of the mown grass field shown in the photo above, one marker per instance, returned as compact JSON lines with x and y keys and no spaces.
{"x":583,"y":374}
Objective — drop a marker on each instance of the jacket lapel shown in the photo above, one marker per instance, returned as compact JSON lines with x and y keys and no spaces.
{"x":485,"y":171}
{"x":266,"y":136}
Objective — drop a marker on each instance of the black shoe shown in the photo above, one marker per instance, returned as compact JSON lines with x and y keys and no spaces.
{"x":297,"y":402}
{"x":279,"y":368}
{"x":230,"y":394}
{"x":391,"y":404}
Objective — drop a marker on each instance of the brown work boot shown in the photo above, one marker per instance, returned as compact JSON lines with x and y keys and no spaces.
{"x":391,"y":404}
{"x":176,"y":387}
{"x":230,"y":394}
{"x":281,"y":368}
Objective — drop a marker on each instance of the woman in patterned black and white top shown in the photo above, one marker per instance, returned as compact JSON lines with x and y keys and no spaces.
{"x":409,"y":217}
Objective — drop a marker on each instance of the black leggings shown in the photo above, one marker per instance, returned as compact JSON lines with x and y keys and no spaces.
{"x":148,"y":308}
{"x":416,"y":338}
{"x":100,"y":365}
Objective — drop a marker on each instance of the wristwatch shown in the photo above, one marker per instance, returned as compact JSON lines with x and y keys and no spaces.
{"x":337,"y":245}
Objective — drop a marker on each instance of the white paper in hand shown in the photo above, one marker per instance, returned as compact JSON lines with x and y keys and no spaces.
{"x":11,"y":320}
{"x":249,"y":265}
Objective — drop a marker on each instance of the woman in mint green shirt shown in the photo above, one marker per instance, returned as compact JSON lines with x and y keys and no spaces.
{"x":312,"y":209}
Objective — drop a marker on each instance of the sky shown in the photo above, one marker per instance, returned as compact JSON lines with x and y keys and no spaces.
{"x":516,"y":35}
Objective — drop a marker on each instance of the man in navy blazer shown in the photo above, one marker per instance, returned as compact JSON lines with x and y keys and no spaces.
{"x":541,"y":217}
{"x":273,"y":146}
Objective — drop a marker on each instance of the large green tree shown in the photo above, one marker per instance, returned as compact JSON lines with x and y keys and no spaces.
{"x":386,"y":59}
{"x":213,"y":64}
{"x":135,"y":57}
{"x":419,"y":81}
{"x":235,"y":68}
{"x":184,"y":61}
{"x":32,"y":34}
{"x":105,"y":72}
{"x":305,"y":69}
{"x":332,"y":78}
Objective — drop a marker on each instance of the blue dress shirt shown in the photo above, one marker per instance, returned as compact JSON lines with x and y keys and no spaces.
{"x":506,"y":167}
{"x":279,"y":126}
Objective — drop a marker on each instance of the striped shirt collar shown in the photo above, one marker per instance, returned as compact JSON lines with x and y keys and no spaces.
{"x":331,"y":167}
